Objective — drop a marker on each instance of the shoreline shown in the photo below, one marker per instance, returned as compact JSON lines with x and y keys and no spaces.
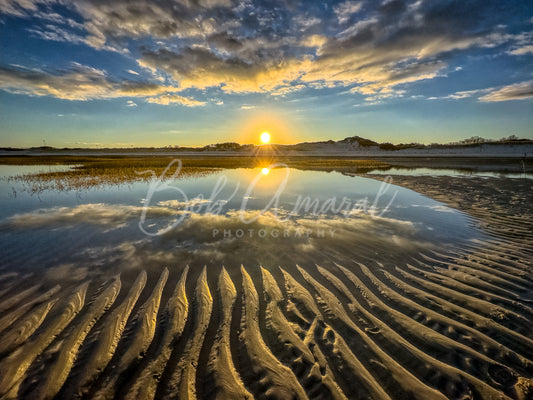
{"x":480,"y":163}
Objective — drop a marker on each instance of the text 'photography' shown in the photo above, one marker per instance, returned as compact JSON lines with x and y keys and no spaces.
{"x":221,"y":199}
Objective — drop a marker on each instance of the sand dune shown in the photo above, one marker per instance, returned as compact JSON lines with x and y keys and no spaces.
{"x":446,"y":323}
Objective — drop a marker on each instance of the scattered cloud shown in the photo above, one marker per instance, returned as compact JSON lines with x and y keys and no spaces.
{"x":462,"y":94}
{"x":19,"y":8}
{"x":285,"y":90}
{"x":83,"y":83}
{"x":175,"y":99}
{"x":305,"y":22}
{"x":345,"y":10}
{"x":517,"y":91}
{"x":196,"y":67}
{"x":258,"y":46}
{"x":522,"y":50}
{"x":314,"y":41}
{"x":131,"y":104}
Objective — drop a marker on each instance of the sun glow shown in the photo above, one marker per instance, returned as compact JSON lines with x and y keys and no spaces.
{"x":265,"y":171}
{"x":265,"y":137}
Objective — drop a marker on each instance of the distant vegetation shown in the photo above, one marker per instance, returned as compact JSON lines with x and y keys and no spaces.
{"x":472,"y":141}
{"x":352,"y":142}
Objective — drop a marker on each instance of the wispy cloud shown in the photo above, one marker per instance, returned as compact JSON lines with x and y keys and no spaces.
{"x":466,"y":94}
{"x":522,"y":50}
{"x":174,"y":99}
{"x":79,"y":82}
{"x":345,"y":10}
{"x":517,"y":91}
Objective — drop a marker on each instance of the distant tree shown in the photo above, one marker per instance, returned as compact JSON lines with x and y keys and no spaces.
{"x":509,"y":138}
{"x":473,"y":140}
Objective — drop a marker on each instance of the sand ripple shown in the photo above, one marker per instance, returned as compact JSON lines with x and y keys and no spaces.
{"x":442,"y":324}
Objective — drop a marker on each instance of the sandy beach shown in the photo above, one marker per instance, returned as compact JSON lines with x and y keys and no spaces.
{"x":454,"y":322}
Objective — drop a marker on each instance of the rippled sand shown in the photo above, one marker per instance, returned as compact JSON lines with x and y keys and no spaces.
{"x":452,"y":323}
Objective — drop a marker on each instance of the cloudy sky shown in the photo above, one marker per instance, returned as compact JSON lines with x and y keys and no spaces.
{"x":194,"y":72}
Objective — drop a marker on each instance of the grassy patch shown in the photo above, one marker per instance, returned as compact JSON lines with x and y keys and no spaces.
{"x":94,"y":171}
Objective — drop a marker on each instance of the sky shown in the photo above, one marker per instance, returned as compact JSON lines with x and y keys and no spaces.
{"x":122,"y":73}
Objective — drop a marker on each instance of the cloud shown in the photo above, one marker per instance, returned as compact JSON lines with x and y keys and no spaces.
{"x":314,"y":41}
{"x":174,"y":99}
{"x":522,"y":50}
{"x":517,"y":91}
{"x":345,"y":10}
{"x":285,"y":90}
{"x":201,"y":68}
{"x":522,"y":44}
{"x":305,"y":22}
{"x":465,"y":94}
{"x":107,"y":23}
{"x":80,"y":83}
{"x":397,"y":45}
{"x":19,"y":8}
{"x":260,"y":46}
{"x":57,"y":34}
{"x":131,"y":104}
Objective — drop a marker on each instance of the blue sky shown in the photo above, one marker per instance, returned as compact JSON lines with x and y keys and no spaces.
{"x":90,"y":73}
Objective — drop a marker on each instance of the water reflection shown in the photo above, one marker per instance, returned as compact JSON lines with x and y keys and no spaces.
{"x":318,"y":217}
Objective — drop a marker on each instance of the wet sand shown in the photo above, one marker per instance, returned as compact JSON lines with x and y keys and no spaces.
{"x":449,"y":323}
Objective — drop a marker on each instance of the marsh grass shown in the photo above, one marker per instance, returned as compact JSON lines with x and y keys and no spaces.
{"x":89,"y":172}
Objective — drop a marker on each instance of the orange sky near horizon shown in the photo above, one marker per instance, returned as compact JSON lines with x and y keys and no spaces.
{"x":281,"y":131}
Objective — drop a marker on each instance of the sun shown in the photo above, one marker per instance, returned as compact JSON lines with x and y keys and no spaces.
{"x":265,"y":171}
{"x":265,"y":137}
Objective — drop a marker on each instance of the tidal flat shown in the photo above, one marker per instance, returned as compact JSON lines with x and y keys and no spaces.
{"x":115,"y":284}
